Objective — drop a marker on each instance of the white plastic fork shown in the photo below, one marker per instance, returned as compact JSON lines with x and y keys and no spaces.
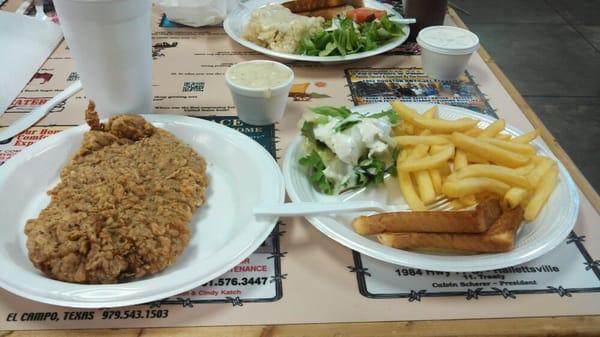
{"x":323,"y":208}
{"x":28,"y":120}
{"x":319,"y":208}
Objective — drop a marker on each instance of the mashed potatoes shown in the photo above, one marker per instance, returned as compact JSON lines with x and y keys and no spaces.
{"x":277,"y":28}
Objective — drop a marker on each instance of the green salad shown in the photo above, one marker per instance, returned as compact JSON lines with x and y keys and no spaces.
{"x":345,"y":36}
{"x":345,"y":150}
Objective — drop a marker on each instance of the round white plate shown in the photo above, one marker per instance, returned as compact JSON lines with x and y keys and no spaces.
{"x":534,"y":238}
{"x":237,"y":20}
{"x":224,"y":229}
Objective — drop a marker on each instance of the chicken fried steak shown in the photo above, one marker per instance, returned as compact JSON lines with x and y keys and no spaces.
{"x":123,"y":205}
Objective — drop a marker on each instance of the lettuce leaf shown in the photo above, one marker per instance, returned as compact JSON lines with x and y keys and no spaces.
{"x":347,"y":37}
{"x":315,"y":166}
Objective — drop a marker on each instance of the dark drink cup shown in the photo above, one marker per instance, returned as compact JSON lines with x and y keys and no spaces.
{"x":426,"y":12}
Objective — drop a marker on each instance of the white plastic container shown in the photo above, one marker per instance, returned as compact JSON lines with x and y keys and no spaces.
{"x":110,"y":41}
{"x":445,"y":50}
{"x":260,"y":90}
{"x":197,"y":13}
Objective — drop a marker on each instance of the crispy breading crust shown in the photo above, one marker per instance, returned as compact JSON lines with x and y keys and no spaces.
{"x":297,"y":6}
{"x":91,"y":117}
{"x":123,"y":206}
{"x":328,"y":13}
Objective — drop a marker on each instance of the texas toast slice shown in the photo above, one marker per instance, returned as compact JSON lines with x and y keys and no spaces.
{"x":499,"y":238}
{"x":473,"y":221}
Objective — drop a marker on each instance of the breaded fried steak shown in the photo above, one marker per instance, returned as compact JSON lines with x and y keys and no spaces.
{"x":123,"y":205}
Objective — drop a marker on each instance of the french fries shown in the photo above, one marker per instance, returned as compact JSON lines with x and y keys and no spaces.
{"x":473,"y":158}
{"x":431,"y":112}
{"x":467,"y":186}
{"x":503,"y":136}
{"x":444,"y":126}
{"x":425,"y":186}
{"x":515,"y":196}
{"x":428,"y":140}
{"x":428,"y":162}
{"x":501,"y":173}
{"x":408,"y":191}
{"x":488,"y":151}
{"x":406,"y":113}
{"x":542,"y":193}
{"x":526,"y":138}
{"x":436,"y":180}
{"x":493,"y":129}
{"x":436,"y":148}
{"x":524,"y":170}
{"x":468,"y":200}
{"x":406,"y":184}
{"x":419,"y":151}
{"x":474,"y":132}
{"x":525,"y":149}
{"x":461,"y":161}
{"x":543,"y":165}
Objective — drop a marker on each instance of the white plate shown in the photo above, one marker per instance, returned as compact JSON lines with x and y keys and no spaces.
{"x":534,"y":238}
{"x":237,"y":20}
{"x":224,"y":229}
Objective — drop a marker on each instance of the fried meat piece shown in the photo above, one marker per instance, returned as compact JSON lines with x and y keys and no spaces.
{"x":122,"y":208}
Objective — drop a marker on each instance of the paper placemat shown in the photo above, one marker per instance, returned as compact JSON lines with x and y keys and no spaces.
{"x":299,"y":275}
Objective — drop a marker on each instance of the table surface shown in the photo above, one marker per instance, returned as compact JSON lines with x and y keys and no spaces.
{"x":541,"y":326}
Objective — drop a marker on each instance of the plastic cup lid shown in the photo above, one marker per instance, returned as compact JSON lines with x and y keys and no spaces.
{"x":448,"y":40}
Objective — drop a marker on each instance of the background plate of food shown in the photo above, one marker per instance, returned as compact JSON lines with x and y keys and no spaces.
{"x":316,"y":30}
{"x":137,"y":210}
{"x":465,"y":192}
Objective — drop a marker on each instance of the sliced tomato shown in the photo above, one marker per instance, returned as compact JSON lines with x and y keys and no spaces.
{"x":363,"y":14}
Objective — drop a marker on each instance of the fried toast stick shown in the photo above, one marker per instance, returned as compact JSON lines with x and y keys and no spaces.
{"x":499,"y":238}
{"x":473,"y":221}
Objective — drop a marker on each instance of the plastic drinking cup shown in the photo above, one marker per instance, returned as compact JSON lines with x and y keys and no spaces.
{"x":110,"y":41}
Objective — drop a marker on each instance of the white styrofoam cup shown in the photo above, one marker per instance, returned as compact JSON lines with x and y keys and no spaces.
{"x":445,"y":50}
{"x":260,"y":106}
{"x":110,"y":41}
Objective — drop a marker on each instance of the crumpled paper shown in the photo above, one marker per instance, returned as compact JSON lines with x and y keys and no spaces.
{"x":197,"y":13}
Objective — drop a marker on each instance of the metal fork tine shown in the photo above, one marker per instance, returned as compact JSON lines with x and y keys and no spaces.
{"x":446,"y":207}
{"x":437,"y":203}
{"x":441,"y":203}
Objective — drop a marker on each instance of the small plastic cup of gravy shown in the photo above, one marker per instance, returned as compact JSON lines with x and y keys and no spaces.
{"x":445,"y":50}
{"x":260,"y":90}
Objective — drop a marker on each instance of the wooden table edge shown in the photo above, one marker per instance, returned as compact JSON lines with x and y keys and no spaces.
{"x":527,"y":326}
{"x":581,"y":181}
{"x":542,"y":326}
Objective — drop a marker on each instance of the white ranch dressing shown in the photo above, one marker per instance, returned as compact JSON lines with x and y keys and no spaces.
{"x":369,"y":134}
{"x":448,"y":40}
{"x":259,"y":75}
